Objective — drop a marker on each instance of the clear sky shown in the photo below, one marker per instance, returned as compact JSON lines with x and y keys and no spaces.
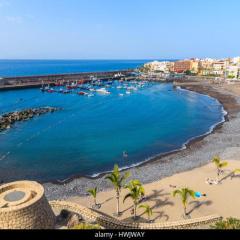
{"x":119,"y":29}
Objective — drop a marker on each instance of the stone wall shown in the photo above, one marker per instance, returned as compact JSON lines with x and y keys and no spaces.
{"x":33,"y":212}
{"x":112,"y":223}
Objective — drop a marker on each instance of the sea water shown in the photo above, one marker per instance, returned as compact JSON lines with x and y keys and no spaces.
{"x":89,"y":134}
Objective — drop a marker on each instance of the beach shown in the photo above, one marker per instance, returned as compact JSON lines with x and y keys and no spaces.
{"x":197,"y":153}
{"x":221,"y":199}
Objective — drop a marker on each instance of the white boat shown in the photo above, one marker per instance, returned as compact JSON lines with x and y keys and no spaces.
{"x":103,"y":91}
{"x":128,"y":92}
{"x":132,"y":88}
{"x":90,"y":95}
{"x":121,"y":94}
{"x":92,"y":90}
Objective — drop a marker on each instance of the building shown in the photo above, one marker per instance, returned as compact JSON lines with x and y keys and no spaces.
{"x":182,"y":66}
{"x":233,"y":71}
{"x":212,"y":67}
{"x":157,"y":66}
{"x":186,"y":65}
{"x":235,"y":60}
{"x":219,"y":68}
{"x":194,"y":66}
{"x":205,"y":67}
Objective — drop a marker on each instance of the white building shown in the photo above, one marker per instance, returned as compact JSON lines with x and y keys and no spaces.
{"x":235,"y":60}
{"x":157,"y":66}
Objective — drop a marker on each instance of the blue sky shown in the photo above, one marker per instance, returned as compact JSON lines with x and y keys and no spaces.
{"x":118,"y":29}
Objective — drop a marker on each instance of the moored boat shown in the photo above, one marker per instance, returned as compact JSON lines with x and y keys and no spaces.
{"x":82,"y":93}
{"x":51,"y":90}
{"x":103,"y":91}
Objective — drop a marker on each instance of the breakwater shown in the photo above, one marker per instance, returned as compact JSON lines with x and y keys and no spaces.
{"x":10,"y":83}
{"x":9,"y":119}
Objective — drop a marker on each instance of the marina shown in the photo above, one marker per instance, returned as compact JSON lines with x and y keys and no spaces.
{"x":96,"y":86}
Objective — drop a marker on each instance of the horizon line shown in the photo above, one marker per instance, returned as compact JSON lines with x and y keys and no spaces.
{"x":90,"y":59}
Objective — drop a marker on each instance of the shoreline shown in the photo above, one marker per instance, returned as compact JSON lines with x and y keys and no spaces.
{"x":153,"y":158}
{"x":147,"y":170}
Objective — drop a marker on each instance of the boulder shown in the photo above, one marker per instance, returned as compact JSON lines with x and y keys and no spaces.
{"x":74,"y":220}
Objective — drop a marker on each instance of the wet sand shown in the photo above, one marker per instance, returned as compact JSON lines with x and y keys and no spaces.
{"x":198,"y":152}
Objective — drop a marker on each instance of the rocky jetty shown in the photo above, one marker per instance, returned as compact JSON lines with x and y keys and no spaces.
{"x":9,"y":119}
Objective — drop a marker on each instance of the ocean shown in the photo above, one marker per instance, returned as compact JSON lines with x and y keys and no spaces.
{"x":89,"y":135}
{"x":12,"y":68}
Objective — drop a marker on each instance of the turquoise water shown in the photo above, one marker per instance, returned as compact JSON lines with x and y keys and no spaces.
{"x":11,"y":68}
{"x":90,"y":134}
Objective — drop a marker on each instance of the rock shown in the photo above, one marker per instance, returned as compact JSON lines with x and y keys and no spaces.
{"x":6,"y":120}
{"x":73,"y":221}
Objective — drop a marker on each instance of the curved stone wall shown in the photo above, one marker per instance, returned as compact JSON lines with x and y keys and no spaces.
{"x":112,"y":223}
{"x":23,"y":205}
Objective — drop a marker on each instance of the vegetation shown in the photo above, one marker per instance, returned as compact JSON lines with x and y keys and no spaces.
{"x":118,"y":181}
{"x":145,"y":68}
{"x":93,"y":192}
{"x":219,"y":164}
{"x":86,"y":226}
{"x":136,"y":192}
{"x":184,"y":194}
{"x":229,"y":223}
{"x":236,"y":170}
{"x":188,"y":72}
{"x":148,"y":210}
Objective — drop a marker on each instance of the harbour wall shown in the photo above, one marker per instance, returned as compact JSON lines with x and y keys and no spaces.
{"x":10,"y":83}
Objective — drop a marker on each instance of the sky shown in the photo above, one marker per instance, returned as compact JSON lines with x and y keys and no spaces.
{"x":124,"y":29}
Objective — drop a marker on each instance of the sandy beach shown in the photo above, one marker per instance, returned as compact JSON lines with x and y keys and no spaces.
{"x":222,"y":199}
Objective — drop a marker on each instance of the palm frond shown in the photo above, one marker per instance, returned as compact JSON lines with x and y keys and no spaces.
{"x":191,"y":193}
{"x":216,"y":159}
{"x":177,"y":192}
{"x":237,"y":170}
{"x":129,"y":195}
{"x":148,"y":209}
{"x":223,"y":164}
{"x":93,"y":192}
{"x":126,"y":175}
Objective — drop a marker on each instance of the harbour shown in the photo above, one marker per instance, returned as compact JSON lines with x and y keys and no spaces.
{"x":90,"y":112}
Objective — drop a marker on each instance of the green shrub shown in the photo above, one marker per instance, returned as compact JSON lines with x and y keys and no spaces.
{"x":229,"y":223}
{"x":86,"y":226}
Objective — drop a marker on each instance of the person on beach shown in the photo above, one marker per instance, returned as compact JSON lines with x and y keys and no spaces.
{"x":199,"y":194}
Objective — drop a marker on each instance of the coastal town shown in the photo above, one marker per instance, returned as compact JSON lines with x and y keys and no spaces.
{"x":211,"y":162}
{"x":227,"y":68}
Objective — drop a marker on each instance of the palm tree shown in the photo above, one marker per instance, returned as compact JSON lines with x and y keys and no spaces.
{"x":136,"y":192}
{"x":234,"y":172}
{"x":184,"y":193}
{"x":219,"y":164}
{"x":148,"y":210}
{"x":237,"y":170}
{"x":93,"y":192}
{"x":118,"y":181}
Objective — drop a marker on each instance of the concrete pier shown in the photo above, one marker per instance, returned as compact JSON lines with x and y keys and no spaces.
{"x":11,"y":83}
